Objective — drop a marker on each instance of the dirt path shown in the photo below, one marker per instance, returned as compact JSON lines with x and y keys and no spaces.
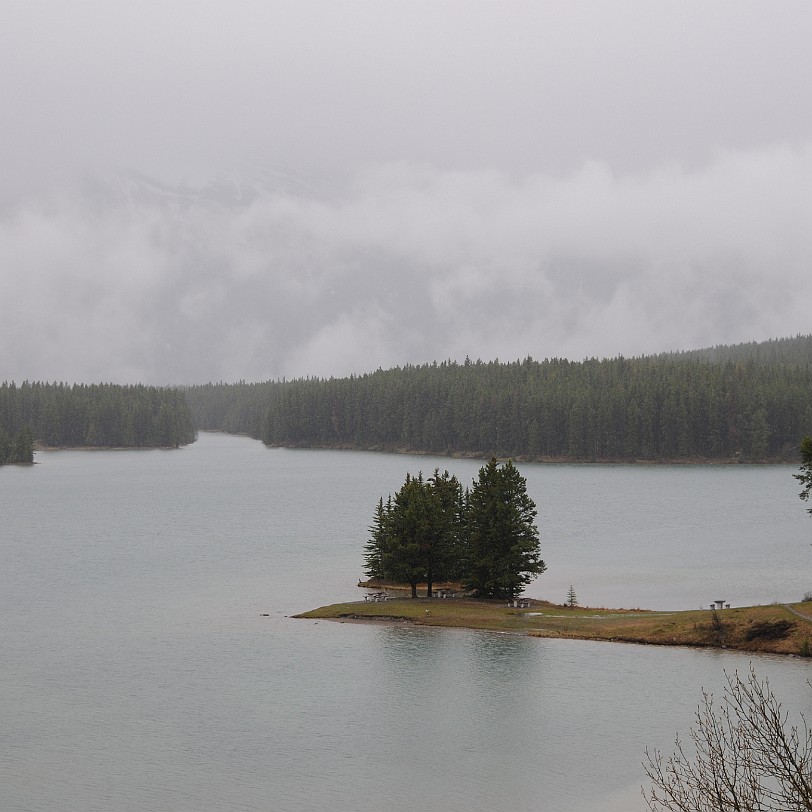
{"x":796,"y":612}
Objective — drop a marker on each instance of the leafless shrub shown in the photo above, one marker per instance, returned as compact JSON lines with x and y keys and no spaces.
{"x":744,"y":757}
{"x":718,"y":628}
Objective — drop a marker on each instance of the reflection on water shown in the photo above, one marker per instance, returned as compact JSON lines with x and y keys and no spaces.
{"x":138,"y":672}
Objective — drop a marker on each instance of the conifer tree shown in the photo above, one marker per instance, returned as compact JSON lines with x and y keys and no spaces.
{"x":434,"y":531}
{"x":404,"y":555}
{"x":5,"y":446}
{"x":805,"y":477}
{"x":378,"y":540}
{"x":23,"y":450}
{"x":417,"y":537}
{"x":503,"y":537}
{"x":446,"y":525}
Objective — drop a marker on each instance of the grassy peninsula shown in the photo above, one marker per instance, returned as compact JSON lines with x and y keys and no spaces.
{"x":774,"y":629}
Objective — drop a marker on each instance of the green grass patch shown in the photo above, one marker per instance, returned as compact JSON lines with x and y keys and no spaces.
{"x":772,"y":629}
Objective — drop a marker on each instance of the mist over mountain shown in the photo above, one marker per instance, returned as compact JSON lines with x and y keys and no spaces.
{"x":208,"y":191}
{"x":264,"y":275}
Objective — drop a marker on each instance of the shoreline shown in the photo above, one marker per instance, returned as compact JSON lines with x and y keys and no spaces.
{"x":467,"y":454}
{"x":51,"y":448}
{"x":774,"y":629}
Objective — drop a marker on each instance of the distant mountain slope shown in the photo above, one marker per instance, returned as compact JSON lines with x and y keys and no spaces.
{"x":796,"y":351}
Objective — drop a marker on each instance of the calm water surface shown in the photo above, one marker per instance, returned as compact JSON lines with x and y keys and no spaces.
{"x":138,"y":674}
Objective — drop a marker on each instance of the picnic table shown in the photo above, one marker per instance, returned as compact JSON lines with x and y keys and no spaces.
{"x":376,"y":597}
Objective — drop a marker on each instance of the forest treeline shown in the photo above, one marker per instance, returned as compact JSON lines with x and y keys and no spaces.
{"x":751,"y":402}
{"x":97,"y":415}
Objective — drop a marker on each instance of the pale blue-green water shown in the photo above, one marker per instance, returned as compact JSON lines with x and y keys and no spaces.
{"x":137,"y":672}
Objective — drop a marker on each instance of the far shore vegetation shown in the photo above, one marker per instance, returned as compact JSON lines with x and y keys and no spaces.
{"x":745,"y":403}
{"x":726,"y":404}
{"x":58,"y":415}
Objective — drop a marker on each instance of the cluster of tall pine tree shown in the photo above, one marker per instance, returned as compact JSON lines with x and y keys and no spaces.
{"x":432,"y":531}
{"x":752,"y":402}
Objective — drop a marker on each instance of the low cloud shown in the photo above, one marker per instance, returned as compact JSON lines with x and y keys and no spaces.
{"x":125,"y":280}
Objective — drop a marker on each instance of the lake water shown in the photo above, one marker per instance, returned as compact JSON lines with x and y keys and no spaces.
{"x":137,"y":673}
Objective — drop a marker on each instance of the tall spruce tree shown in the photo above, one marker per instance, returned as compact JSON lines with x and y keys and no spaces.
{"x":503,"y":540}
{"x":416,"y":537}
{"x":378,"y":540}
{"x":5,"y":446}
{"x":805,"y":477}
{"x":404,"y":556}
{"x":23,"y":449}
{"x":443,"y":552}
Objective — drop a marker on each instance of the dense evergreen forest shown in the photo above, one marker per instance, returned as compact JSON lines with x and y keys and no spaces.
{"x":750,"y":402}
{"x":99,"y":415}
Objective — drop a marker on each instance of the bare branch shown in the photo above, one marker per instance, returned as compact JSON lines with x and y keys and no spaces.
{"x":745,"y":757}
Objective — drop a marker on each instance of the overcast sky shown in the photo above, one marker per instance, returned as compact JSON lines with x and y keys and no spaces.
{"x":251,"y":189}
